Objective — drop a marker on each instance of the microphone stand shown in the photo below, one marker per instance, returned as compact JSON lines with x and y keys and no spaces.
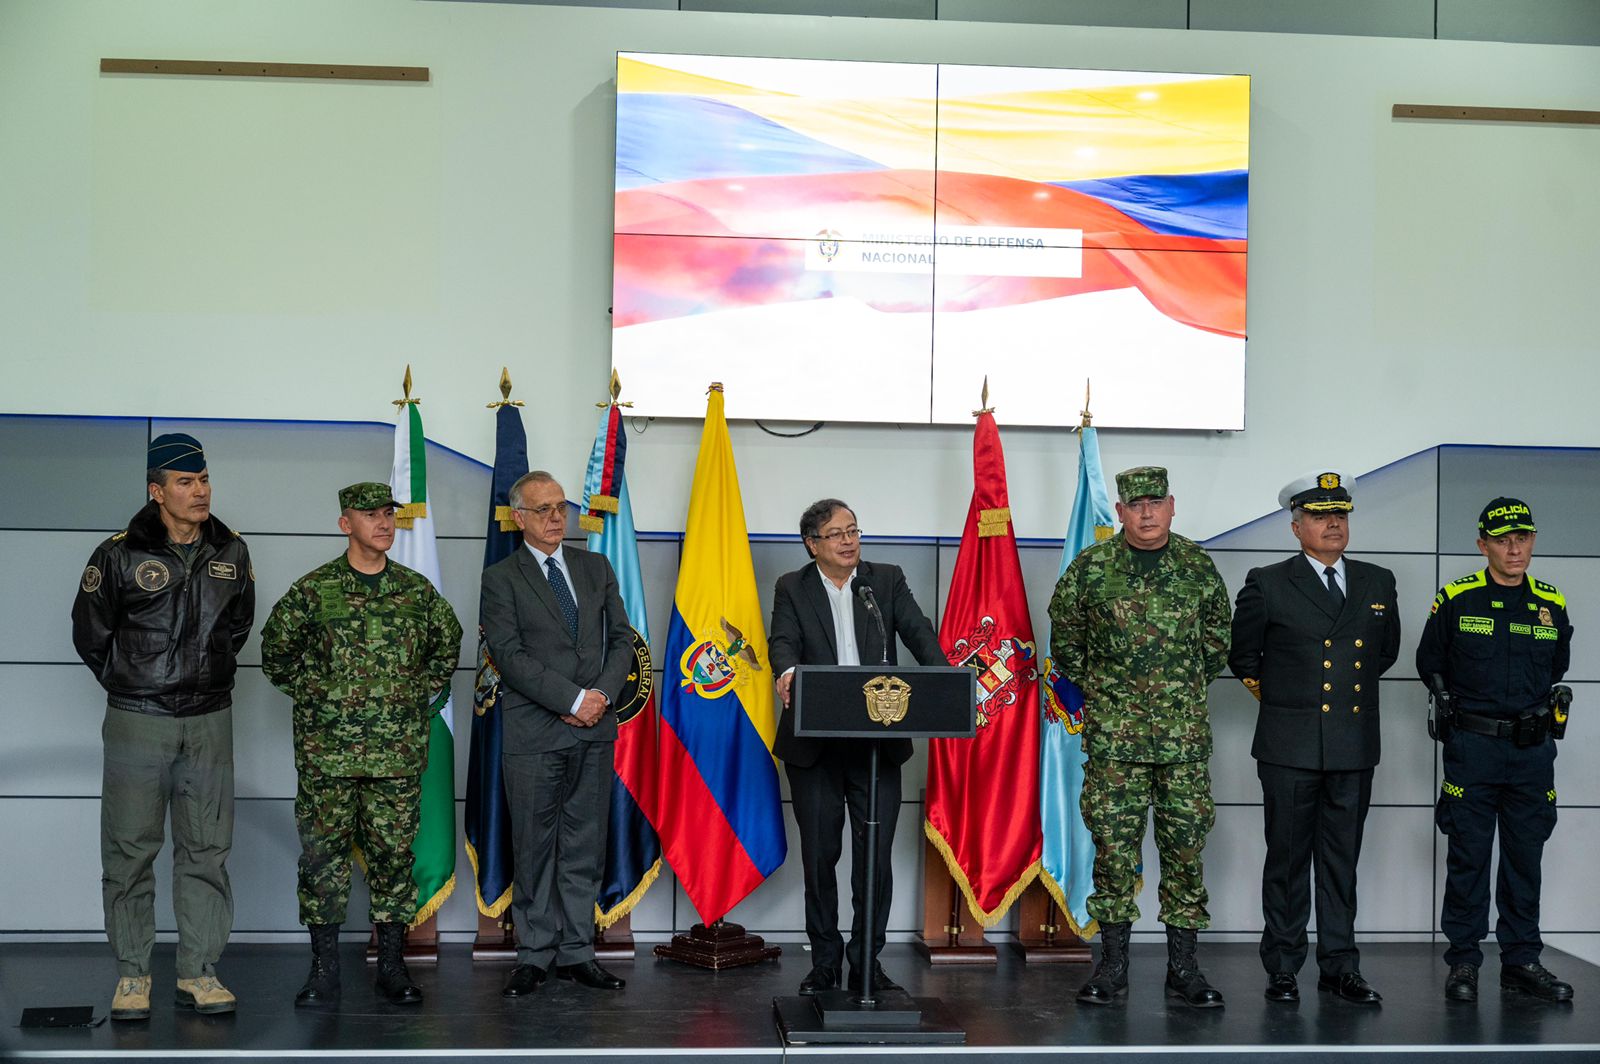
{"x":869,"y":959}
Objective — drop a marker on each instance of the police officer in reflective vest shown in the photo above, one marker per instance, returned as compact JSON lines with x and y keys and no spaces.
{"x":1495,"y":643}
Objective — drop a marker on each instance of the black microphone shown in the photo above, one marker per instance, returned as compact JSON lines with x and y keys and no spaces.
{"x":870,"y":601}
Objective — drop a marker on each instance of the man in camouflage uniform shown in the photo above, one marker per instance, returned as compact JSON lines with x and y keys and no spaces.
{"x":364,"y":646}
{"x":1141,"y":622}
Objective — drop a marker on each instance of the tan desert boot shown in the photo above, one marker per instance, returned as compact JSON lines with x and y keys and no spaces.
{"x":132,"y":999}
{"x":205,"y":994}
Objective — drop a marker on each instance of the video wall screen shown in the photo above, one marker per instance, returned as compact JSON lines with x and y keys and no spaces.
{"x":866,"y":242}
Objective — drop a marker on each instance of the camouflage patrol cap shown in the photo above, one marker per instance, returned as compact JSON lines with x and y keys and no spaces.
{"x":1141,"y":482}
{"x":367,"y":495}
{"x":1504,"y":515}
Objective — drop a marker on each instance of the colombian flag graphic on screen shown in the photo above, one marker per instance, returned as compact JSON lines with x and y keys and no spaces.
{"x":717,"y":808}
{"x":768,"y":208}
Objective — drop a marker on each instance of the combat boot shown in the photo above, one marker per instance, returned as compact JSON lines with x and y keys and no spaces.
{"x":1110,"y":979}
{"x":132,"y":999}
{"x":322,"y":985}
{"x":394,"y":981}
{"x":205,"y":994}
{"x":1184,"y":978}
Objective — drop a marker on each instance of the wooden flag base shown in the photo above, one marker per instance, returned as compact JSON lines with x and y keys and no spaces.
{"x":495,"y":941}
{"x":1043,"y":933}
{"x":950,"y":934}
{"x":422,"y":943}
{"x":615,"y":943}
{"x":722,"y":945}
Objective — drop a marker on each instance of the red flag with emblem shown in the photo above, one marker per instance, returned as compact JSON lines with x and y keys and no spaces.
{"x":983,"y":792}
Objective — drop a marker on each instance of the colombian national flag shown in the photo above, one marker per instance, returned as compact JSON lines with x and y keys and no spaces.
{"x":717,"y":808}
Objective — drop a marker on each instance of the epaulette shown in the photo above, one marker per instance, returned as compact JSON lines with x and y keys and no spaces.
{"x":1547,"y":591}
{"x":235,"y":534}
{"x":120,"y":536}
{"x":1466,"y":583}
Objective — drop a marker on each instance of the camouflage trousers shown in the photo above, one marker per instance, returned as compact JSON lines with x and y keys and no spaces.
{"x":1116,"y":804}
{"x":376,"y":816}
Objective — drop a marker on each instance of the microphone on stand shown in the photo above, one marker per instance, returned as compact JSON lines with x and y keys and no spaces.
{"x":870,"y":601}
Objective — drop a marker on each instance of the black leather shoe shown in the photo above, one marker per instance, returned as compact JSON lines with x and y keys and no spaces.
{"x":1282,"y":986}
{"x":1534,"y":979}
{"x":1462,"y":983}
{"x":1351,"y":987}
{"x":524,"y":980}
{"x":589,"y":974}
{"x":821,"y":978}
{"x":880,"y":980}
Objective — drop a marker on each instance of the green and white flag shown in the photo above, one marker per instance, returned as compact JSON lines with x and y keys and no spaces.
{"x":434,"y":851}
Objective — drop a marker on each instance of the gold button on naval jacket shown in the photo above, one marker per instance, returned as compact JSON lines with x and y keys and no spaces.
{"x":1358,"y":643}
{"x":1325,"y":707}
{"x":1358,"y":664}
{"x":1329,"y":664}
{"x":1358,"y":687}
{"x":1327,"y":642}
{"x":1355,"y":709}
{"x":1327,"y":687}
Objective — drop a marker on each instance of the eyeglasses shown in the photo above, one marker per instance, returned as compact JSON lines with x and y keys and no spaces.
{"x":1145,"y":505}
{"x":544,"y":513}
{"x":841,"y":535}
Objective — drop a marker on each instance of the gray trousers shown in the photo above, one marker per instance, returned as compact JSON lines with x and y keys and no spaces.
{"x":153,"y":763}
{"x":560,"y":809}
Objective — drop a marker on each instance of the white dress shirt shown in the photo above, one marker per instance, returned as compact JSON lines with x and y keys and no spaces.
{"x":842,"y":601}
{"x":1338,"y":573}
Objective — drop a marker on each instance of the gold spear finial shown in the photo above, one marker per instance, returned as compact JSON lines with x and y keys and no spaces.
{"x":1087,"y":417}
{"x":505,"y":391}
{"x":406,"y":386}
{"x":984,"y":399}
{"x":616,"y":391}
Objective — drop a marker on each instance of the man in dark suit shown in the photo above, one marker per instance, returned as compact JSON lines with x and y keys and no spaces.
{"x":558,"y":634}
{"x":820,"y":617}
{"x":1311,"y":636}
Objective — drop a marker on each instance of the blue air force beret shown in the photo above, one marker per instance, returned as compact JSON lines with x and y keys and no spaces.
{"x":177,"y":451}
{"x":1318,"y":493}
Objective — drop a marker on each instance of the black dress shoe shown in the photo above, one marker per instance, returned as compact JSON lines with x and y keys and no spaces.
{"x":1282,"y":986}
{"x":589,"y":974}
{"x":524,"y":979}
{"x":1462,"y":983}
{"x":821,"y":978}
{"x":880,"y":980}
{"x":1351,"y":987}
{"x":1534,"y":979}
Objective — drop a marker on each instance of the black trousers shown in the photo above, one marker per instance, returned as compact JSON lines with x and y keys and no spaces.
{"x":1489,"y":783}
{"x":822,"y":793}
{"x":1314,"y":820}
{"x":560,"y":805}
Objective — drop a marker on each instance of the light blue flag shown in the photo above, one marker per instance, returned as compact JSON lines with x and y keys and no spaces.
{"x":1068,"y":872}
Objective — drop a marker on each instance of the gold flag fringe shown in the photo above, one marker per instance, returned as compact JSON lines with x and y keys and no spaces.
{"x":1053,"y":888}
{"x":987,"y":919}
{"x":434,"y":904}
{"x":605,"y":919}
{"x":497,"y":908}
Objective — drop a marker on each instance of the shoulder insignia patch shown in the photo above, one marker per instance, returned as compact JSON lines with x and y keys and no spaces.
{"x":1547,"y":591}
{"x":1466,"y":583}
{"x":1438,"y":600}
{"x":120,"y":536}
{"x":91,"y":580}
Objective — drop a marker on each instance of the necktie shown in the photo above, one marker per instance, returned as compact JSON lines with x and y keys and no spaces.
{"x":563,"y":594}
{"x":1333,"y":587}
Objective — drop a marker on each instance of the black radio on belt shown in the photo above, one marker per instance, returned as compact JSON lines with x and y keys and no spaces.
{"x":1560,"y":705}
{"x":1441,"y":710}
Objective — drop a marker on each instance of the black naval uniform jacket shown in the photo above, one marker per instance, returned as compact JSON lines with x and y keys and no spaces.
{"x":161,"y":629}
{"x":1315,"y":673}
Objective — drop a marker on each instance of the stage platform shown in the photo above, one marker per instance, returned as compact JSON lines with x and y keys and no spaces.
{"x":1010,"y":1013}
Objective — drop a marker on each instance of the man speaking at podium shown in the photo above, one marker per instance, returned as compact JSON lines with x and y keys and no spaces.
{"x":821,"y":615}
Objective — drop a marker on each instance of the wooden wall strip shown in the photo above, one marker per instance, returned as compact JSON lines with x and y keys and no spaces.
{"x":1496,"y":114}
{"x":215,"y":68}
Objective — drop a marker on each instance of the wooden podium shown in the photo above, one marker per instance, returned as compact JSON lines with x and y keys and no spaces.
{"x":867,"y":703}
